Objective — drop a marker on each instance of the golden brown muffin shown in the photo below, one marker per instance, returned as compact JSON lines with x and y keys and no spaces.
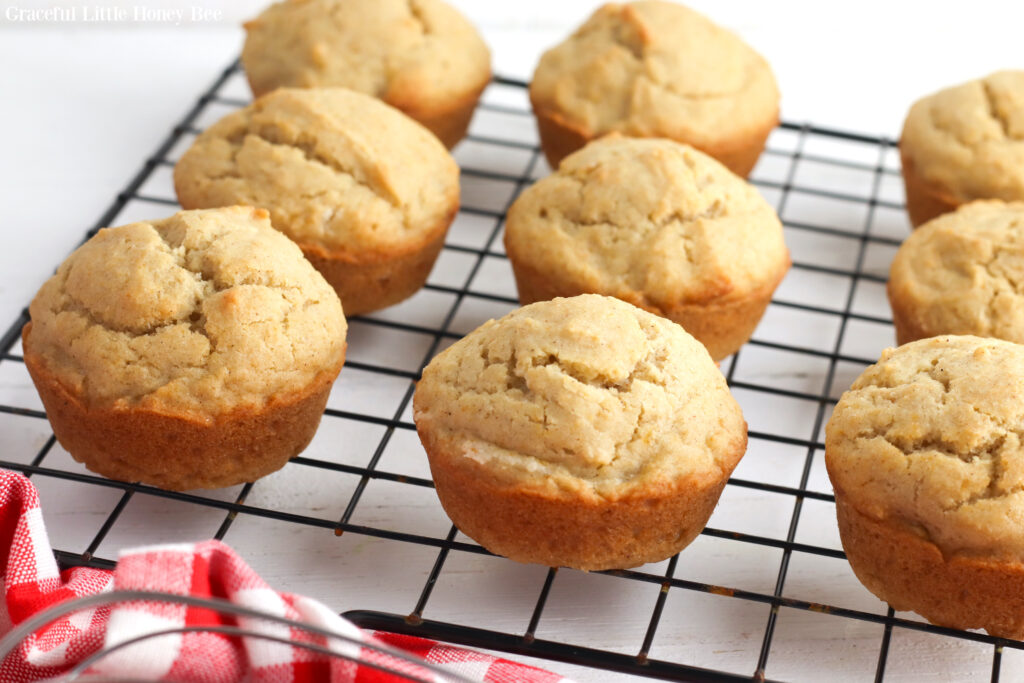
{"x":580,"y":432}
{"x":964,"y":143}
{"x":962,"y":273}
{"x":924,"y":453}
{"x":655,"y":69}
{"x":365,"y":191}
{"x":655,"y":223}
{"x":191,"y":352}
{"x":421,"y":56}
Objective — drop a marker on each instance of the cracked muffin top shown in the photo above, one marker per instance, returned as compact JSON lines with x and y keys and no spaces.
{"x":968,"y":140}
{"x":201,"y":312}
{"x":413,"y":54}
{"x":651,"y":221}
{"x":588,"y":395}
{"x":963,"y":272}
{"x":656,"y":69}
{"x":931,"y":437}
{"x":337,"y":170}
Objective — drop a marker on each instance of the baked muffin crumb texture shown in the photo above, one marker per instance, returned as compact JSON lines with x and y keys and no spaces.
{"x":421,"y":56}
{"x":580,"y":432}
{"x":963,"y":143}
{"x":962,"y":273}
{"x":387,"y":48}
{"x":930,"y":438}
{"x":607,"y":403}
{"x":339,"y":172}
{"x":199,"y":310}
{"x":656,"y":69}
{"x":650,"y":221}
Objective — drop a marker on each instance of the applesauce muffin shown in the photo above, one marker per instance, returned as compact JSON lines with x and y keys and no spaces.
{"x":195,"y":351}
{"x":964,"y":143}
{"x":579,"y":432}
{"x":365,"y":191}
{"x":421,"y":56}
{"x":924,"y":453}
{"x":962,"y":273}
{"x":655,"y":69}
{"x":655,"y":223}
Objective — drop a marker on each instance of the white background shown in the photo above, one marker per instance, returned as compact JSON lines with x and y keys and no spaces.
{"x":82,"y":105}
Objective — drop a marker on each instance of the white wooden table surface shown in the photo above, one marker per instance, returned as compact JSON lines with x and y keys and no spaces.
{"x":82,"y":105}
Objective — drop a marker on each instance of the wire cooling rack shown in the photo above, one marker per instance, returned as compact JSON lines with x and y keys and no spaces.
{"x":253,"y":626}
{"x":765,"y":592}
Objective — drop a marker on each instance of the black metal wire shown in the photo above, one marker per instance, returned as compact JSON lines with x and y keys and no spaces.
{"x":819,"y":421}
{"x":527,"y":643}
{"x":883,"y":651}
{"x":108,"y":524}
{"x":546,"y":649}
{"x":111,"y":599}
{"x":659,"y":607}
{"x":759,"y":671}
{"x":538,"y":608}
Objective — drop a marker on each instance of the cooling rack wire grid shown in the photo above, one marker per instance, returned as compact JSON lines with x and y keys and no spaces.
{"x":764,"y":593}
{"x":249,"y":624}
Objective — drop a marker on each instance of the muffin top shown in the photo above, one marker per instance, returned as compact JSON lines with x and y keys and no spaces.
{"x":650,"y":221}
{"x":968,"y":140}
{"x":338,"y":171}
{"x":656,"y":69}
{"x":198,"y":313}
{"x":413,"y":54}
{"x":586,"y":395}
{"x":930,"y":437}
{"x":963,"y":272}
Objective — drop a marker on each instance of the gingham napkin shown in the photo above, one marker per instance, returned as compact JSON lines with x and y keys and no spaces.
{"x":33,"y":583}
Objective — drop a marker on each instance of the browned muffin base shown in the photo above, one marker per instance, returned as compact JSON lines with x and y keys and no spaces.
{"x":366,"y":283}
{"x":924,"y":201}
{"x":721,"y":326}
{"x":559,"y":139}
{"x":451,"y":124}
{"x":179,"y":451}
{"x":564,"y":530}
{"x":905,"y":320}
{"x":910,"y":573}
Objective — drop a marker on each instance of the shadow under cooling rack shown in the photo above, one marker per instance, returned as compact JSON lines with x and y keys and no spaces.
{"x":764,"y":593}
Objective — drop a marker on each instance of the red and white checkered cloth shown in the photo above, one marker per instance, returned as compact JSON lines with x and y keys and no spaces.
{"x":32,"y":582}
